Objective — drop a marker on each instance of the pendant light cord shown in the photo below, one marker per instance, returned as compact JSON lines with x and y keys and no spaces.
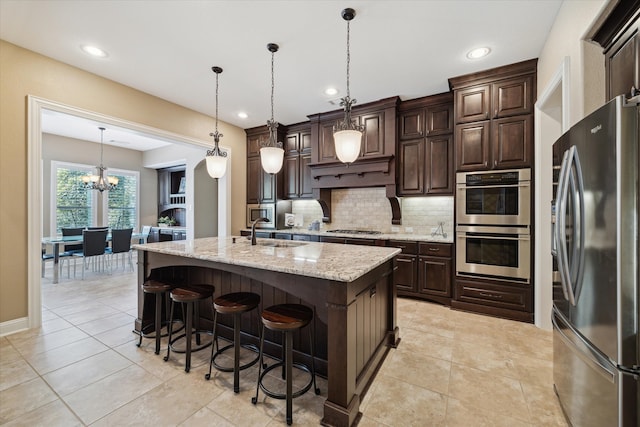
{"x":348,"y":58}
{"x":272,"y":84}
{"x":217,"y":75}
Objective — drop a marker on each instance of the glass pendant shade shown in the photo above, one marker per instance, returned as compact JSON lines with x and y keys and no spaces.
{"x":216,"y":158}
{"x":216,"y":166}
{"x":271,"y":159}
{"x":347,"y":144}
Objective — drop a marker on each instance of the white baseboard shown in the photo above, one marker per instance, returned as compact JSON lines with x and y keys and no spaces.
{"x":15,"y":325}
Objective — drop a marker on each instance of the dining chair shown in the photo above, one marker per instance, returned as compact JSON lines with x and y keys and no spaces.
{"x":121,"y":244}
{"x":70,"y":250}
{"x":93,"y":245}
{"x":50,"y":257}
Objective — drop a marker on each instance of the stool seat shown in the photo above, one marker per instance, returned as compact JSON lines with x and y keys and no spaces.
{"x":191,"y":293}
{"x":284,"y":317}
{"x":236,"y":302}
{"x":155,"y":287}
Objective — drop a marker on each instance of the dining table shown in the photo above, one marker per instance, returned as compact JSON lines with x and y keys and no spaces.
{"x":61,"y":241}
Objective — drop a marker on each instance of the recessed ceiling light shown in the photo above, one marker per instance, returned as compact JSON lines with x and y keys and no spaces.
{"x":331,"y":91}
{"x":478,"y":53}
{"x":94,"y":51}
{"x":243,"y":115}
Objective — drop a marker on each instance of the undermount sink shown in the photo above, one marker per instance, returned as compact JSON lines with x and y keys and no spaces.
{"x":280,"y":244}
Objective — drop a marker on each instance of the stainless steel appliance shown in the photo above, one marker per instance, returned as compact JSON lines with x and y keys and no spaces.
{"x":595,"y":311}
{"x":275,"y":212}
{"x":493,"y":252}
{"x":494,"y":197}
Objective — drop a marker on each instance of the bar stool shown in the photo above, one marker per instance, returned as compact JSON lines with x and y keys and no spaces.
{"x":234,"y":303}
{"x":158,"y":290}
{"x":286,"y":318}
{"x":190,"y":296}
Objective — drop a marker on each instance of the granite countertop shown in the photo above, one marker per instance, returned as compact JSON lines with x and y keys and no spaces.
{"x":343,"y":263}
{"x":383,"y":236}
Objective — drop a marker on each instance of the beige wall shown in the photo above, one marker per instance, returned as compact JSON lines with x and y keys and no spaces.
{"x":587,"y":89}
{"x":23,"y":73}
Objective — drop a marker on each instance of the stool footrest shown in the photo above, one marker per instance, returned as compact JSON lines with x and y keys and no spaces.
{"x":241,"y":367}
{"x":198,"y":348}
{"x":283,"y":396}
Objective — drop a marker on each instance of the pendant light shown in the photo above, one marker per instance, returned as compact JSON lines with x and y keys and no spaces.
{"x":271,"y":153}
{"x":98,"y":181}
{"x":347,"y":135}
{"x":216,"y":158}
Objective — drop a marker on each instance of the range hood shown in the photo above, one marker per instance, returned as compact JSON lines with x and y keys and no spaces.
{"x":376,"y":166}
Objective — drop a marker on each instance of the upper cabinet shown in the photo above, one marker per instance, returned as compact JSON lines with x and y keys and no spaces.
{"x":375,"y":165}
{"x":297,"y":156}
{"x":425,"y":146}
{"x":617,"y":31}
{"x":261,"y":186}
{"x":494,"y":117}
{"x":171,"y":188}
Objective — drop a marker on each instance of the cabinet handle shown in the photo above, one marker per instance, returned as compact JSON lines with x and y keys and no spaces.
{"x":486,"y":163}
{"x":495,"y":113}
{"x":486,"y":294}
{"x":486,"y":115}
{"x":434,"y":249}
{"x":495,"y":163}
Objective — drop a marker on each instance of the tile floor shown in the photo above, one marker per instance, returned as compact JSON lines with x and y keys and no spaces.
{"x":83,"y":368}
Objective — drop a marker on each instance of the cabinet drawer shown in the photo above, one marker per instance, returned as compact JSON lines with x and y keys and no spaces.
{"x":407,"y":247}
{"x":282,"y":236}
{"x":512,"y":297}
{"x":436,"y":249}
{"x":305,"y":238}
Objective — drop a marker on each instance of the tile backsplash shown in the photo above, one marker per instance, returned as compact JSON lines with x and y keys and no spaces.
{"x":368,"y":208}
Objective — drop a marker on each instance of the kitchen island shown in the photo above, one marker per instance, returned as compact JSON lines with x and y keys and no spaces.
{"x":349,"y":287}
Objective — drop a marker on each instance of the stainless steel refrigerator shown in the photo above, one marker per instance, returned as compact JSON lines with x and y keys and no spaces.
{"x":596,"y":364}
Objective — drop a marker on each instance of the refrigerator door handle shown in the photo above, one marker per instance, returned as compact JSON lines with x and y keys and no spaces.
{"x":561,"y":211}
{"x":579,"y":210}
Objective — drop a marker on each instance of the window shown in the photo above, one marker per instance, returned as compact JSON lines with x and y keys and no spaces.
{"x":122,"y":209}
{"x":73,"y":206}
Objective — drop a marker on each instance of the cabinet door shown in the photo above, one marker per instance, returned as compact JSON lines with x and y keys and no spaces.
{"x":411,"y":124}
{"x":439,"y":169}
{"x":472,"y":146}
{"x":623,"y":66}
{"x":513,"y":97}
{"x":254,"y":179}
{"x":472,"y":104}
{"x":291,"y":143}
{"x":268,"y":188}
{"x":164,"y":187}
{"x":326,"y":147}
{"x":411,"y":168}
{"x":439,"y":119}
{"x":512,"y":142}
{"x":254,"y":143}
{"x":305,"y":141}
{"x":291,"y":167}
{"x":405,"y":276}
{"x":373,"y":136}
{"x":434,"y":276}
{"x":305,"y":176}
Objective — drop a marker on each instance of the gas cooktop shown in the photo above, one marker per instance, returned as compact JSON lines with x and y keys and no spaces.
{"x":355,"y":231}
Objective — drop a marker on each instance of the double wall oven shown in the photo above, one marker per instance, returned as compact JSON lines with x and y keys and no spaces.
{"x":493,"y":224}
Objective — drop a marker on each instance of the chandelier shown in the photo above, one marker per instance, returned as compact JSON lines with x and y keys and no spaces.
{"x":271,"y":153}
{"x":98,"y":181}
{"x":347,"y":135}
{"x":216,"y":158}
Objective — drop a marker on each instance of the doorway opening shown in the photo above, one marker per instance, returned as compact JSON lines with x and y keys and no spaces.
{"x":36,"y":107}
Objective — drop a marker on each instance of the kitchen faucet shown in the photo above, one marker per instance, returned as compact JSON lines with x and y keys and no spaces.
{"x":253,"y":229}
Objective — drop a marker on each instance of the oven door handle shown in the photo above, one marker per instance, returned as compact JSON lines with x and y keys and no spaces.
{"x":484,"y":236}
{"x":520,"y":184}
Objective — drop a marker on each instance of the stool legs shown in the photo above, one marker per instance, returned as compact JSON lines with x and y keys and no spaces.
{"x":236,"y":353}
{"x":289,"y":374}
{"x":158,"y":321}
{"x":170,"y":333}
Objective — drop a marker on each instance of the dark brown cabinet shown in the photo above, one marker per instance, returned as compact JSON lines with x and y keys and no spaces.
{"x":494,"y":116}
{"x":424,"y":270}
{"x":297,"y":157}
{"x":171,"y":191}
{"x":261,"y":186}
{"x":425,"y":147}
{"x":434,"y":270}
{"x":502,"y":299}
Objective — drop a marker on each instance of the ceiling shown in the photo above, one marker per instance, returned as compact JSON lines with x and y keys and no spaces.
{"x":167,"y":48}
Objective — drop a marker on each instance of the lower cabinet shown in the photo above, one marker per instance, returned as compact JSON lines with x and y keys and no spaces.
{"x":161,"y":234}
{"x":424,"y":270}
{"x":511,"y":300}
